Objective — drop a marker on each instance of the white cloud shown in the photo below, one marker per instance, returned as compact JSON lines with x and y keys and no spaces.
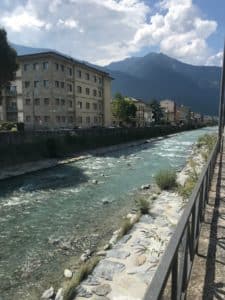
{"x":21,"y":19}
{"x":179,"y":32}
{"x":102,"y":31}
{"x":215,"y":60}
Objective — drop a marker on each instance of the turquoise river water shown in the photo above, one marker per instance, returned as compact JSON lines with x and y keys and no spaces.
{"x":49,"y":218}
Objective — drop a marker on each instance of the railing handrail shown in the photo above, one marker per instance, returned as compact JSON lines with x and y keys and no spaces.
{"x":159,"y":281}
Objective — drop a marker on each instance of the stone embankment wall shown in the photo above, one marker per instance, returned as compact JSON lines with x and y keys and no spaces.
{"x":20,"y":147}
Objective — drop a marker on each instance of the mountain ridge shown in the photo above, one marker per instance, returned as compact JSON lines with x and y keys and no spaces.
{"x":159,"y":76}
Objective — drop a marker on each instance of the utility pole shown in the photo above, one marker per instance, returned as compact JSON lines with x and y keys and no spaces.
{"x":222,"y":100}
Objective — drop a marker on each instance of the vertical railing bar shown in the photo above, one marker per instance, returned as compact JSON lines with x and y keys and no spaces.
{"x":174,"y":278}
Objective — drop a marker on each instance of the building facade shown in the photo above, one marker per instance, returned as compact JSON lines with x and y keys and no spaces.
{"x":183,"y":114}
{"x":144,"y":116}
{"x":169,"y":109}
{"x":53,"y":91}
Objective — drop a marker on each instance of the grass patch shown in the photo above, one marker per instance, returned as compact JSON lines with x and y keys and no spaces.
{"x":166,"y":179}
{"x":208,"y":141}
{"x":125,"y":227}
{"x":143,"y":205}
{"x":83,"y":272}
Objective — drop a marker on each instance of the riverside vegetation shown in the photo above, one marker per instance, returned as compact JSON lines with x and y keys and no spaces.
{"x":178,"y":185}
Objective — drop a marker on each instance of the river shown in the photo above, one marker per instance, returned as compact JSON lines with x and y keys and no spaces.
{"x":47,"y":219}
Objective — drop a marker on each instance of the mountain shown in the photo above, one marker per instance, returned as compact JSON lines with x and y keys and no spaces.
{"x":159,"y":76}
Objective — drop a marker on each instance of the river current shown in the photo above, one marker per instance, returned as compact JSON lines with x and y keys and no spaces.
{"x":47,"y":219}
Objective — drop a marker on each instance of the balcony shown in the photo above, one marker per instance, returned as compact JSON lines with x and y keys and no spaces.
{"x":11,"y":93}
{"x":11,"y":108}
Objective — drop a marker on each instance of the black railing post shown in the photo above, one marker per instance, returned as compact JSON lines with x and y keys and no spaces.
{"x":222,"y":100}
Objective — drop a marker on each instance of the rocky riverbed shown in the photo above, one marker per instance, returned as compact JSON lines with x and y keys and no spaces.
{"x":129,"y":263}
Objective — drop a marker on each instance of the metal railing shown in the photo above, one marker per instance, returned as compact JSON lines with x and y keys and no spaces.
{"x":173,"y":273}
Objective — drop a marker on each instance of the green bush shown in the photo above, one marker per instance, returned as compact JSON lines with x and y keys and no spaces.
{"x":143,"y":205}
{"x":207,"y":140}
{"x":166,"y":179}
{"x":83,"y":272}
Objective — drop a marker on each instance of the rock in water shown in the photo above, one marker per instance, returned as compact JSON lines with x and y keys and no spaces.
{"x":145,"y":187}
{"x":59,"y":295}
{"x":68,"y":273}
{"x":94,"y":181}
{"x":48,"y":293}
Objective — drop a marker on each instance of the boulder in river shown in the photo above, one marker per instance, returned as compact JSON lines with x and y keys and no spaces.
{"x":145,"y":187}
{"x":68,"y":273}
{"x":59,"y":295}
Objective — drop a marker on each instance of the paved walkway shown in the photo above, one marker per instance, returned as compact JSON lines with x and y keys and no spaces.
{"x":208,"y":274}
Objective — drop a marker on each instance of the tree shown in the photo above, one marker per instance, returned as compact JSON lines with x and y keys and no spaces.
{"x":123,"y":109}
{"x":7,"y":60}
{"x":156,"y":111}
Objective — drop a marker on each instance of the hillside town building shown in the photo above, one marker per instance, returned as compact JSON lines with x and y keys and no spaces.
{"x":144,"y":116}
{"x":53,"y":91}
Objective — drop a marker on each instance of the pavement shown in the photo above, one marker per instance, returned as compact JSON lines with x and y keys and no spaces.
{"x":208,"y":273}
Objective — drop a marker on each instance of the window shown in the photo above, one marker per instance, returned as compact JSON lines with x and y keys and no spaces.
{"x":62,"y":68}
{"x":95,"y":93}
{"x":70,"y":119}
{"x":79,"y":89}
{"x":99,"y":93}
{"x":56,"y":66}
{"x":95,"y":106}
{"x":95,"y":120}
{"x":28,"y":101}
{"x":46,"y":101}
{"x":100,"y":106}
{"x":58,"y":119}
{"x":25,"y":67}
{"x":28,"y":118}
{"x":63,"y":118}
{"x":99,"y":80}
{"x":79,"y":104}
{"x":36,"y":66}
{"x":79,"y":119}
{"x":57,"y":83}
{"x":57,"y":101}
{"x":87,"y":91}
{"x":27,"y":84}
{"x":69,"y":87}
{"x":45,"y":65}
{"x":87,"y":76}
{"x":70,"y":103}
{"x":79,"y":74}
{"x":70,"y":71}
{"x":88,"y":120}
{"x":95,"y":78}
{"x":37,"y":119}
{"x":37,"y":101}
{"x":46,"y":83}
{"x":46,"y":119}
{"x":62,"y":101}
{"x":62,"y":85}
{"x":36,"y":83}
{"x":87,"y":105}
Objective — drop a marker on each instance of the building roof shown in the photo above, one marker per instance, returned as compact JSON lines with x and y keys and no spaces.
{"x":24,"y":51}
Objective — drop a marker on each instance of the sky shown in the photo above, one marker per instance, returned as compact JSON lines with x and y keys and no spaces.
{"x":103,"y":31}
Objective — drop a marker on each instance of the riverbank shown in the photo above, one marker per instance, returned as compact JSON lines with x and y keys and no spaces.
{"x":131,"y":261}
{"x":49,"y":218}
{"x":35,"y":166}
{"x":15,"y":170}
{"x":17,"y":148}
